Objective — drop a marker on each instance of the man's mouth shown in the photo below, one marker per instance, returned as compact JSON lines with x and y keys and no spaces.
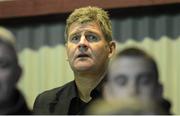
{"x":82,"y":55}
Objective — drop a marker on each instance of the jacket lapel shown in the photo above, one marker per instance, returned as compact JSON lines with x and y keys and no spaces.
{"x":63,"y":99}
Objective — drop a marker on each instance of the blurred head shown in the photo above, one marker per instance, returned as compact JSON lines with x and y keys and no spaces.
{"x":133,"y":73}
{"x":9,"y":68}
{"x":89,"y":42}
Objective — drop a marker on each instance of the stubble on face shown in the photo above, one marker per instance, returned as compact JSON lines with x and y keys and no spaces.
{"x":132,"y":77}
{"x":96,"y":53}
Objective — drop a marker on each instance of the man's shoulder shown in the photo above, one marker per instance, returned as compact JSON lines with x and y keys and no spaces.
{"x":43,"y":100}
{"x":53,"y":92}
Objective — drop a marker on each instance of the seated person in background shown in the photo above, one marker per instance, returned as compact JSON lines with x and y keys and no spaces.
{"x":134,"y":74}
{"x":11,"y":100}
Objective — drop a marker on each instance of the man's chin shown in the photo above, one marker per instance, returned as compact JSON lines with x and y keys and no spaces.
{"x":83,"y":68}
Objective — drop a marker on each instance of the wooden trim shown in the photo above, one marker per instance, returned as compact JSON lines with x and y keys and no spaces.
{"x":24,"y":8}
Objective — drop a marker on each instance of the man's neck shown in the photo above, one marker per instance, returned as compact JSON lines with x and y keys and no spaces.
{"x":85,"y":84}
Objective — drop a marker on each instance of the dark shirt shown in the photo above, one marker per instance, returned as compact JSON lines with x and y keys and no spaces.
{"x":77,"y":106}
{"x":64,"y":100}
{"x":17,"y":105}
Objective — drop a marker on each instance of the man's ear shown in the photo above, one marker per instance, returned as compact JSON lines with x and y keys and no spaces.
{"x":66,"y":45}
{"x":66,"y":51}
{"x":107,"y":92}
{"x":159,"y":91}
{"x":112,"y":48}
{"x":17,"y":74}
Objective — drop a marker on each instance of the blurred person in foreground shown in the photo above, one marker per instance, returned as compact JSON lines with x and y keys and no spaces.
{"x":126,"y":106}
{"x":89,"y":48}
{"x":132,"y":86}
{"x":11,"y":99}
{"x":133,"y":74}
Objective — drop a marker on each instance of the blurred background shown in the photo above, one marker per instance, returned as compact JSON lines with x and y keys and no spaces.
{"x":152,"y":25}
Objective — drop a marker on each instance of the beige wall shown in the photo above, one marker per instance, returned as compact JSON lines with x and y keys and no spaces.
{"x":47,"y":68}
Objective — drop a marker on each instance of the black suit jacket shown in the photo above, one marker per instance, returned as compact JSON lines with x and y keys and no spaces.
{"x":55,"y":101}
{"x":58,"y":100}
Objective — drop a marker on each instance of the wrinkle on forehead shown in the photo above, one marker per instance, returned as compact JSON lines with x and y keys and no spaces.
{"x":79,"y":28}
{"x":130,"y":64}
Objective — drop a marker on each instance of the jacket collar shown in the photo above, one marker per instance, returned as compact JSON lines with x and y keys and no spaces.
{"x":60,"y":105}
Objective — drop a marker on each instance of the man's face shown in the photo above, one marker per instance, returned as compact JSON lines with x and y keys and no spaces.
{"x":87,"y":49}
{"x":7,"y":72}
{"x":132,"y":77}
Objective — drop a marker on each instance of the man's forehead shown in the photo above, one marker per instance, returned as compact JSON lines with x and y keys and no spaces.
{"x":130,"y":63}
{"x":78,"y":27}
{"x":129,"y":60}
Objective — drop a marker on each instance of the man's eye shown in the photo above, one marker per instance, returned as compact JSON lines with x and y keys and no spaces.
{"x":75,"y":39}
{"x":92,"y":38}
{"x":145,"y":79}
{"x":121,"y":80}
{"x":4,"y":64}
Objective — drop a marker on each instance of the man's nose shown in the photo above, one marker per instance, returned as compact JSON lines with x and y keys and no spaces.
{"x":83,"y":40}
{"x":83,"y":44}
{"x":133,"y":90}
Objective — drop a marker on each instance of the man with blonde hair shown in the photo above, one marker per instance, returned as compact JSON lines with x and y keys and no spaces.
{"x":89,"y":48}
{"x":11,"y":100}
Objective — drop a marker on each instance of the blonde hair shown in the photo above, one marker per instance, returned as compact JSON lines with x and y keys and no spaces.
{"x":90,"y":14}
{"x":8,"y":39}
{"x":7,"y":36}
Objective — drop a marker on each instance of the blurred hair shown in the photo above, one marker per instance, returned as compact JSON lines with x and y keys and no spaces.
{"x":7,"y":36}
{"x":136,"y":52}
{"x":91,"y":14}
{"x":8,"y":39}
